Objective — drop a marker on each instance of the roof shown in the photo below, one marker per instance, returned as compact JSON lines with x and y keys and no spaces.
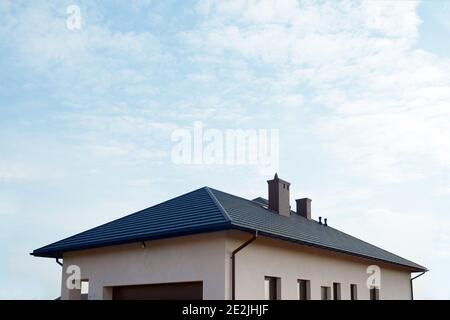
{"x":207,"y":210}
{"x":261,"y":201}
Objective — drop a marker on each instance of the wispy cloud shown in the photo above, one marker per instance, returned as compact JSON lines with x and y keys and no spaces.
{"x":362,"y":109}
{"x":386,"y":122}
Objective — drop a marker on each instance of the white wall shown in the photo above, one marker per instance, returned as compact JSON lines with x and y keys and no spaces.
{"x":207,"y":258}
{"x":290,"y":262}
{"x":191,"y":258}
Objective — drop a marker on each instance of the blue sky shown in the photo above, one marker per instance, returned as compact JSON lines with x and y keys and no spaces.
{"x":359,"y":91}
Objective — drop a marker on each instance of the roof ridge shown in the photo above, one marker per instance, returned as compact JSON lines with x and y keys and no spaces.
{"x":250,"y":201}
{"x":256,"y":203}
{"x":218,"y":204}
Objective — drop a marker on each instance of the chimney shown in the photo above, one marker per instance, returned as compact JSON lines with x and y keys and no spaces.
{"x":304,"y":207}
{"x":279,"y":196}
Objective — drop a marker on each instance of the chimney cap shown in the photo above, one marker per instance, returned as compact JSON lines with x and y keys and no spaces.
{"x":276,"y":178}
{"x":303,"y":199}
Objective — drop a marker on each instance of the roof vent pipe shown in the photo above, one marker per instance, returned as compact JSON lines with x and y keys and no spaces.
{"x":320,"y":220}
{"x":325,"y":221}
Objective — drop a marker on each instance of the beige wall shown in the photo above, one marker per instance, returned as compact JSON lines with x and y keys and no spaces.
{"x":193,"y":258}
{"x":290,"y":262}
{"x":207,"y":258}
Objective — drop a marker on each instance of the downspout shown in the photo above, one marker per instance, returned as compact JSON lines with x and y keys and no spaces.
{"x":59,"y":262}
{"x":233,"y":263}
{"x":412,"y":291}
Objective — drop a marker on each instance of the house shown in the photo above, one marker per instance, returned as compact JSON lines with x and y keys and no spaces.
{"x":208,"y":244}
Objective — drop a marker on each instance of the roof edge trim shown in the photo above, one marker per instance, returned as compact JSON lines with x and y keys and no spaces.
{"x":164,"y":235}
{"x":419,"y":268}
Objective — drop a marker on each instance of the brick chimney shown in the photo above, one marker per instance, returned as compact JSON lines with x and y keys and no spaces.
{"x":304,"y":207}
{"x":279,"y":196}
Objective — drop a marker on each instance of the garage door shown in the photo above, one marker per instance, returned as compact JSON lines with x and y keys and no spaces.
{"x":160,"y":291}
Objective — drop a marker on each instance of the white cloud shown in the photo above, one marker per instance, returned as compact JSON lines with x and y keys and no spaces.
{"x":75,"y":64}
{"x":442,"y":191}
{"x":387,"y":104}
{"x":40,"y":35}
{"x":103,"y":80}
{"x":11,"y":172}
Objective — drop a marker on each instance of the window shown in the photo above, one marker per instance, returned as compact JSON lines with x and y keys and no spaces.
{"x":271,"y":288}
{"x":84,"y":289}
{"x":325,"y":293}
{"x":353,"y":292}
{"x":336,"y":291}
{"x":304,"y":289}
{"x":374,"y":293}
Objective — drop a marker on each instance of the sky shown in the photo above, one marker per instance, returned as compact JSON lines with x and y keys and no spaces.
{"x":359,"y":93}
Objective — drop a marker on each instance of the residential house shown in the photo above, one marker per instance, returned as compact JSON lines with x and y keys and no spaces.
{"x":208,"y":244}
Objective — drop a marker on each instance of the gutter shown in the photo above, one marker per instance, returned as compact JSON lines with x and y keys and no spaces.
{"x":412,"y":291}
{"x":233,"y":263}
{"x":58,"y":252}
{"x":323,"y":247}
{"x":59,"y":262}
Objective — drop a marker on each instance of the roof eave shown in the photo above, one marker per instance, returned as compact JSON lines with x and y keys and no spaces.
{"x":58,"y":253}
{"x":419,"y":268}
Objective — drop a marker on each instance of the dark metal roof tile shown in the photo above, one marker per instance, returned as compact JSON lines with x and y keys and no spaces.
{"x":186,"y":214}
{"x":206,"y":210}
{"x":251,"y":215}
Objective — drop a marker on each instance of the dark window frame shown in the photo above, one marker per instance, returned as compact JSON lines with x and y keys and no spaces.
{"x":327,"y":291}
{"x":274,"y":287}
{"x":336,"y":291}
{"x":374,"y":293}
{"x":304,"y":289}
{"x":353,"y":292}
